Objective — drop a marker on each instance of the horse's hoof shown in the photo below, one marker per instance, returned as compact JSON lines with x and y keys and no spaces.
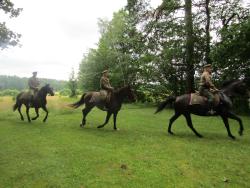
{"x":233,"y":137}
{"x":170,"y":132}
{"x":22,"y":119}
{"x":241,"y":133}
{"x":44,"y":121}
{"x":100,"y":126}
{"x":117,"y":129}
{"x":200,"y":136}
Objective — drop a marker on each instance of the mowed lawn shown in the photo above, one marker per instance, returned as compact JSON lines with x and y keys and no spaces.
{"x":59,"y":153}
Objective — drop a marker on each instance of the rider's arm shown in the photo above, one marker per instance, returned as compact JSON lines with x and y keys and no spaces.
{"x":106,"y":85}
{"x":33,"y":84}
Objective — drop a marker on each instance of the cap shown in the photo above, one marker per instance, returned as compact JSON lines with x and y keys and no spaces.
{"x":35,"y":72}
{"x":104,"y":71}
{"x":207,"y":65}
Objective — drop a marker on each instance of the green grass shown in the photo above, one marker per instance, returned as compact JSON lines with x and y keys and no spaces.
{"x":61,"y":154}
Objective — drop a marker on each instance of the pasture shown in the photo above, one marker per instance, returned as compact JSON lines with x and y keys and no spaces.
{"x":59,"y":153}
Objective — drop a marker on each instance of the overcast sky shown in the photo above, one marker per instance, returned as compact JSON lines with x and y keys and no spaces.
{"x":55,"y":35}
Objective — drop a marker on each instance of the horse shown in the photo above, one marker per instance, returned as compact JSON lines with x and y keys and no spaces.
{"x":223,"y":108}
{"x":39,"y":101}
{"x":112,"y":107}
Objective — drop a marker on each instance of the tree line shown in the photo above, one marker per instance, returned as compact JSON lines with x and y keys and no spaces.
{"x":17,"y":83}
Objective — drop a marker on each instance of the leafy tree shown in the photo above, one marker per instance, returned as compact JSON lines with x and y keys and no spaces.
{"x":8,"y":37}
{"x":117,"y":51}
{"x":231,"y":56}
{"x":72,"y":84}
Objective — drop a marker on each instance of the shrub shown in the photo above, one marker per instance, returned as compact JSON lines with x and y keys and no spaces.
{"x":65,"y":92}
{"x":9,"y":92}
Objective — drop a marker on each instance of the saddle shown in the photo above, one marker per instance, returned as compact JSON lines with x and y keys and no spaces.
{"x":196,"y":98}
{"x":100,"y":98}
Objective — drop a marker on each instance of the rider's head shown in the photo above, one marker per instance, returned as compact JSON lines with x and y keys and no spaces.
{"x":208,"y":68}
{"x":105,"y":73}
{"x":34,"y":74}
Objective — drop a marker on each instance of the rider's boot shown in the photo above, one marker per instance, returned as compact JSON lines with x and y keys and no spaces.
{"x":210,"y":107}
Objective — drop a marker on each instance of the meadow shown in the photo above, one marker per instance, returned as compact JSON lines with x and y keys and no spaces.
{"x":59,"y":153}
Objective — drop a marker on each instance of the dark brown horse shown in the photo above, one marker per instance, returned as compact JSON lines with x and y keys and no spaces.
{"x":183,"y":107}
{"x":39,"y":101}
{"x":112,"y":107}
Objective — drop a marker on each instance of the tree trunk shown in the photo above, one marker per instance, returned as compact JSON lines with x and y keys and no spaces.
{"x":207,"y":52}
{"x":189,"y":46}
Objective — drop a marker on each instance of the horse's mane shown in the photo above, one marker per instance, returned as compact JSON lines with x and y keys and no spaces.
{"x":118,"y":90}
{"x":228,"y":82}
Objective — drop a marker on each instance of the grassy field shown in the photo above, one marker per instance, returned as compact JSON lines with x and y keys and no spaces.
{"x":61,"y":154}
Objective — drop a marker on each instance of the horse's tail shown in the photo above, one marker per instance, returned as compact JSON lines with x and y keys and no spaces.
{"x":78,"y":103}
{"x":169,"y":100}
{"x":16,"y":105}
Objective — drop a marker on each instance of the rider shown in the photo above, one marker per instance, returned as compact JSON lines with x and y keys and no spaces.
{"x":105,"y":85}
{"x":33,"y":83}
{"x":207,"y":87}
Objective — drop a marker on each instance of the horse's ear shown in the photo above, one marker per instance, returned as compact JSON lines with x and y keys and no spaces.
{"x":247,"y":80}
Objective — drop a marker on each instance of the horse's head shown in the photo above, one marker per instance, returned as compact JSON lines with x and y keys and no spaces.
{"x":48,"y":89}
{"x":237,"y":87}
{"x":129,"y":93}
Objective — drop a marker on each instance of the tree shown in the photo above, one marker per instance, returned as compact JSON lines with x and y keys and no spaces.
{"x":118,"y":50}
{"x":72,"y":84}
{"x":231,"y":56}
{"x":8,"y":37}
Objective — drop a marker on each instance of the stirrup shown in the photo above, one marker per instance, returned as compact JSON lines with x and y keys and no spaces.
{"x":211,"y":112}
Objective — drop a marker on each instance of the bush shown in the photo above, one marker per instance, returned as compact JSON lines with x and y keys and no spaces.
{"x":9,"y":92}
{"x":153,"y":94}
{"x":65,"y":92}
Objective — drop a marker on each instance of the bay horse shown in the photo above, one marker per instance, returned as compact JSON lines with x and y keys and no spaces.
{"x":113,"y":107}
{"x":39,"y":101}
{"x":183,"y":107}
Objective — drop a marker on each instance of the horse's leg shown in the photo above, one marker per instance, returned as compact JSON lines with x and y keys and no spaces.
{"x":85,"y":112}
{"x":37,"y":114}
{"x":27,"y":112}
{"x":190,"y":124}
{"x":20,"y":112}
{"x":225,"y":120}
{"x":171,"y":121}
{"x":47,"y":112}
{"x":106,"y":121}
{"x":114,"y":119}
{"x":233,"y":116}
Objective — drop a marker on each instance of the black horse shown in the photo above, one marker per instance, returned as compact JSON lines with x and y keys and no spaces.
{"x":39,"y":101}
{"x":183,"y":107}
{"x":113,"y":106}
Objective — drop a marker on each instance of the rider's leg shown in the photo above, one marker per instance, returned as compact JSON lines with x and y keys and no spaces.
{"x":205,"y":92}
{"x":210,"y":103}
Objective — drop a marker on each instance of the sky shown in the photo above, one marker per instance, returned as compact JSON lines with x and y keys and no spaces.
{"x":55,"y":35}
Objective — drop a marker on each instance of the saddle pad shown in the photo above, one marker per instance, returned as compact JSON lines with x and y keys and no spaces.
{"x":98,"y":97}
{"x":197,"y":99}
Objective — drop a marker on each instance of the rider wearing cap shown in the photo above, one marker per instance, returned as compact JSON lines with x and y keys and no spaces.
{"x":206,"y":87}
{"x":105,"y":85}
{"x":33,"y":83}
